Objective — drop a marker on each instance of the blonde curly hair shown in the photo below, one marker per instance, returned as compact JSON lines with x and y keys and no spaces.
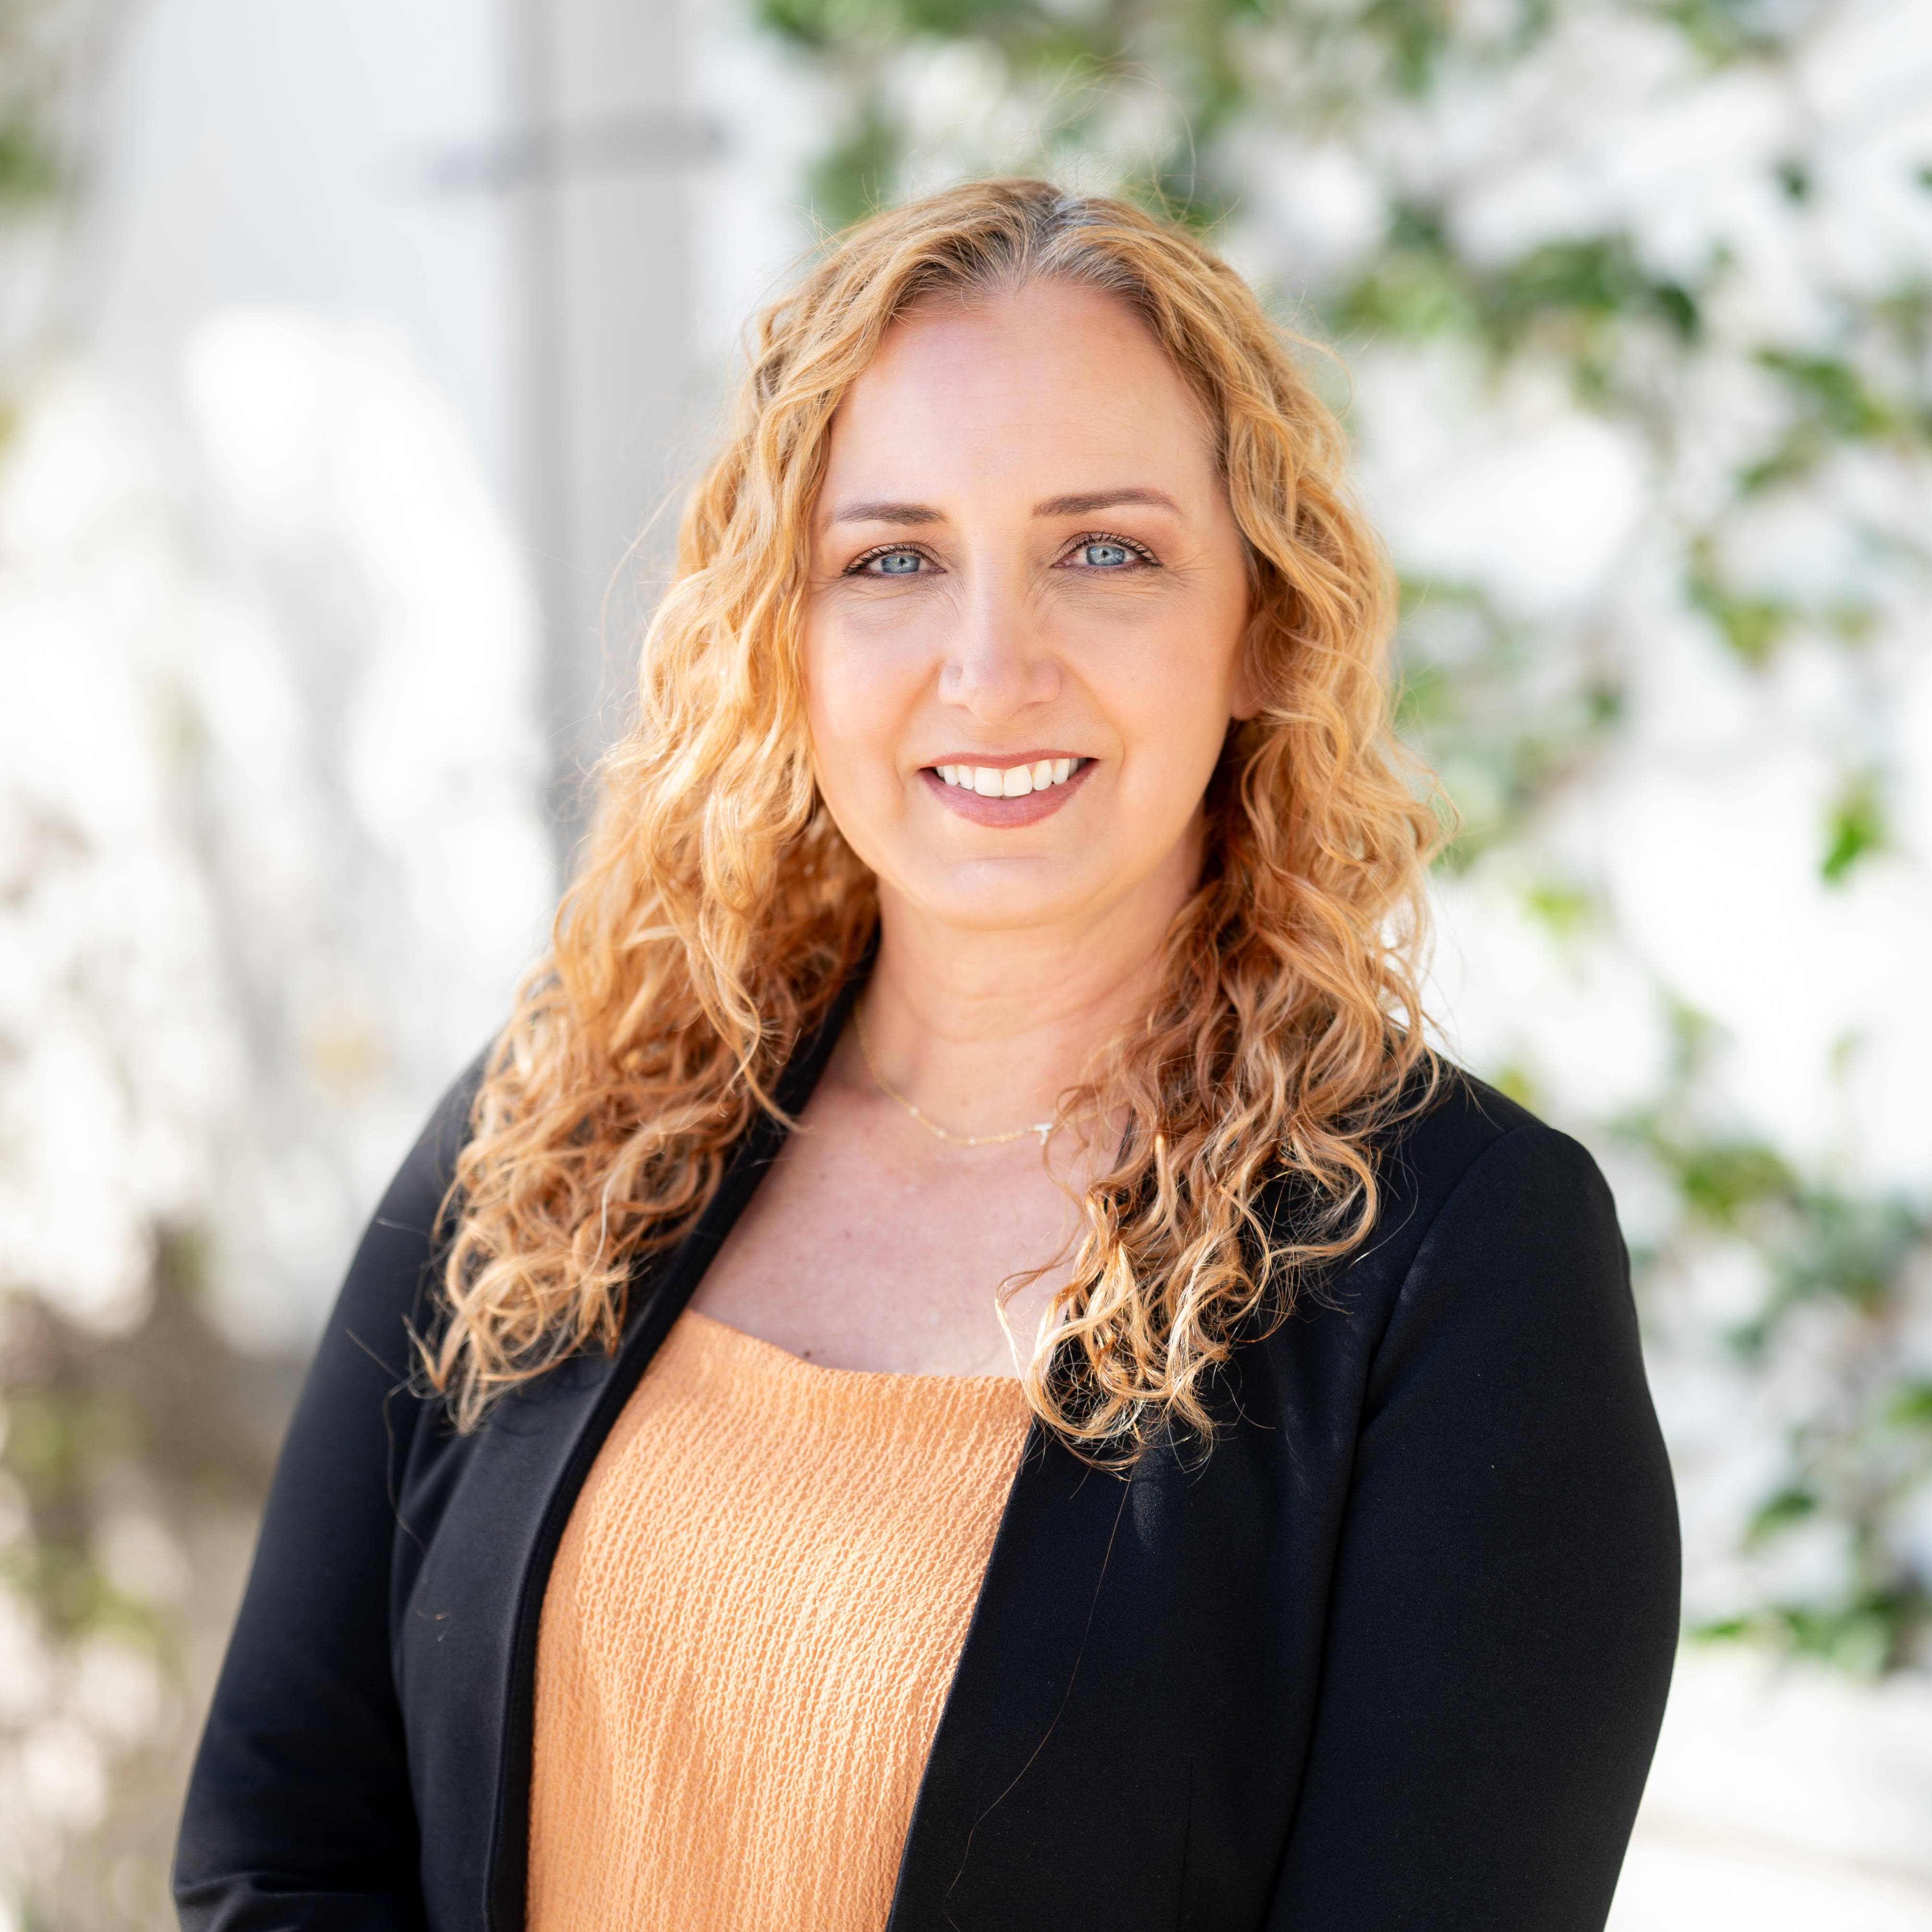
{"x":719,"y":911}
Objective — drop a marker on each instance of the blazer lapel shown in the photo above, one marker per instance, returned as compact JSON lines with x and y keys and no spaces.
{"x":1122,"y":1742}
{"x":980,"y":1840}
{"x":466,"y":1639}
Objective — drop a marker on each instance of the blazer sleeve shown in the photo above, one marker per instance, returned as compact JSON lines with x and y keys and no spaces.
{"x":298,"y":1814}
{"x":1504,"y":1612}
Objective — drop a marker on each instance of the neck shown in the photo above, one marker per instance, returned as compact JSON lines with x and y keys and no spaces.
{"x":986,"y":1028}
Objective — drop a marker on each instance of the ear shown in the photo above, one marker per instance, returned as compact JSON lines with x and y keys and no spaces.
{"x":1244,"y":685}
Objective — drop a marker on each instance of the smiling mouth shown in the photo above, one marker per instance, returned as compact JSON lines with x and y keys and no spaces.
{"x":1016,"y":781}
{"x":1005,"y":796}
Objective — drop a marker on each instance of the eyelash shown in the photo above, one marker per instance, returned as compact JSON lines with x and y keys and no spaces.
{"x":859,"y":563}
{"x":1139,"y":550}
{"x":1146,"y":557}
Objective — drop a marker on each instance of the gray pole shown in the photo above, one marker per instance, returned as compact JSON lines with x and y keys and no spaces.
{"x":596,"y":174}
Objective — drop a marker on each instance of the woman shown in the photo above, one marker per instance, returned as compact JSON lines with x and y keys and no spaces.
{"x":960,"y":1364}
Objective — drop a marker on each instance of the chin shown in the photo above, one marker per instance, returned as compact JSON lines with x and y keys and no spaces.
{"x":1000,"y":894}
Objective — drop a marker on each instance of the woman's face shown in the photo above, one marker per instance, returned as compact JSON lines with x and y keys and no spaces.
{"x":1023,"y":643}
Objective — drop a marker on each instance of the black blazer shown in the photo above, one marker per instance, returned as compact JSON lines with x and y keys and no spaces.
{"x":1394,"y":1656}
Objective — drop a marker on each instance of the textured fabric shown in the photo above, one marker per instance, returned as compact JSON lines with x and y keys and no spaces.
{"x":748,"y":1636}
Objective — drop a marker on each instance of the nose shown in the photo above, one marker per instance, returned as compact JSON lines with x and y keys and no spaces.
{"x":999,"y":666}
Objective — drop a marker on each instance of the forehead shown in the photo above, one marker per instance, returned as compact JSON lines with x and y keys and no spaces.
{"x":1000,"y":387}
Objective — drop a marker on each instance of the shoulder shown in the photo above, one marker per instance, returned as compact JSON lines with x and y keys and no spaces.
{"x":1486,"y":1323}
{"x":1467,"y":1148}
{"x":389,"y":1291}
{"x":1478,"y":1200}
{"x":1440,"y":1136}
{"x":360,"y":1402}
{"x":1496,"y":1228}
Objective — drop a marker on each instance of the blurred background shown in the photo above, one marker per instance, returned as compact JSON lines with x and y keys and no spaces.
{"x":348,"y":353}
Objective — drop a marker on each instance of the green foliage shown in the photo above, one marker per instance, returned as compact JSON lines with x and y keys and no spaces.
{"x":1505,"y":731}
{"x":1076,"y":59}
{"x":852,"y":180}
{"x":54,"y":1438}
{"x":1565,"y":908}
{"x":1855,"y":827}
{"x":43,"y":45}
{"x":167,"y":1425}
{"x":1780,"y":1511}
{"x":31,"y":174}
{"x":1753,"y":625}
{"x":1569,"y":294}
{"x":81,"y":1414}
{"x":1727,"y":31}
{"x":1721,"y":1181}
{"x":1832,"y":404}
{"x":39,"y":41}
{"x":1839,"y":1269}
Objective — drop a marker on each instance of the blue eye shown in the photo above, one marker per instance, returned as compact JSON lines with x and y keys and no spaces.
{"x":1106,"y":556}
{"x":899,"y":563}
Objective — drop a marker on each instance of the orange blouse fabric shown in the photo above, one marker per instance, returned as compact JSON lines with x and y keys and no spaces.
{"x":749,"y":1633}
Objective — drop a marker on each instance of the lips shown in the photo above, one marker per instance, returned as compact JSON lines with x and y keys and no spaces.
{"x":1015,"y":792}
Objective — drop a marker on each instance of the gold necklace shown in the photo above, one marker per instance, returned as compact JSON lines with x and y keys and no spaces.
{"x":1043,"y":1128}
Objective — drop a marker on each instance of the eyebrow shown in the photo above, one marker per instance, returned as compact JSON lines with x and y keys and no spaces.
{"x":1081,"y":505}
{"x":888,"y":513}
{"x":1104,"y":499}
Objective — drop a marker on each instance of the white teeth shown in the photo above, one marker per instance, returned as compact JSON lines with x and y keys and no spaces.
{"x":1011,"y":780}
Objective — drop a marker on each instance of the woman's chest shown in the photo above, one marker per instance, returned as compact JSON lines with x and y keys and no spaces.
{"x":743,"y":1655}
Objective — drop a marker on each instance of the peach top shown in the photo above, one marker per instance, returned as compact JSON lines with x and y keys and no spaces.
{"x":750,"y":1628}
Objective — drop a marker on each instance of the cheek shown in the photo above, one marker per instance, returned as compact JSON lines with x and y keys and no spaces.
{"x":1218,"y":651}
{"x":1174,"y":687}
{"x":856,"y":703}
